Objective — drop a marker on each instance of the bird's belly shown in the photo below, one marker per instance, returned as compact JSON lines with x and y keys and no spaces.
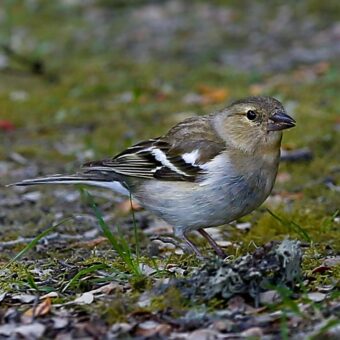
{"x":193,"y":206}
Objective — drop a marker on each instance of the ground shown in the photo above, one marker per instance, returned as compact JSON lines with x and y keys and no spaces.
{"x":81,"y":80}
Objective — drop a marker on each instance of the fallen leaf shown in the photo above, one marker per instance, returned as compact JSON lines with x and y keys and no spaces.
{"x":43,"y":308}
{"x":107,"y":289}
{"x":320,"y":269}
{"x":85,"y":299}
{"x":49,"y":295}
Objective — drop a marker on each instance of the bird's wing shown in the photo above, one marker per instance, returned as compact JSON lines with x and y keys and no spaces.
{"x":180,"y":155}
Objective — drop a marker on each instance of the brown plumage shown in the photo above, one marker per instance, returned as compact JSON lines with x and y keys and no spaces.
{"x":206,"y":171}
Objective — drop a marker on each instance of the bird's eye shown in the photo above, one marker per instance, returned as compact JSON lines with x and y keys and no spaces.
{"x":251,"y":115}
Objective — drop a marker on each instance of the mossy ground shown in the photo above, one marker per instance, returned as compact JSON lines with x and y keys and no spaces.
{"x":96,"y":96}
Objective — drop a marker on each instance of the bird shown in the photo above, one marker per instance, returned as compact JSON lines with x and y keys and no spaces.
{"x":206,"y":171}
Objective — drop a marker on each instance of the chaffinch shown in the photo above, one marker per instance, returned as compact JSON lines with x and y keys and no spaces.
{"x":206,"y":171}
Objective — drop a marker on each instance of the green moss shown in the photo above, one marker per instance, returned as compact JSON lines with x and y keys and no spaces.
{"x":170,"y":300}
{"x":117,"y":310}
{"x":314,"y":258}
{"x":85,"y":104}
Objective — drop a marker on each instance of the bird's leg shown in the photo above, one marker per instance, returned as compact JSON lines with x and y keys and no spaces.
{"x":192,"y":246}
{"x":212,"y":242}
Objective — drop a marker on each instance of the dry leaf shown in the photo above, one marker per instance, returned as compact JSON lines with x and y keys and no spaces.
{"x":42,"y":309}
{"x":85,"y":298}
{"x":49,"y":295}
{"x":107,"y":289}
{"x":320,"y":269}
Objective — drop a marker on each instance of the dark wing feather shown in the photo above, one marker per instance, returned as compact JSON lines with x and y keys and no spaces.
{"x":161,"y":158}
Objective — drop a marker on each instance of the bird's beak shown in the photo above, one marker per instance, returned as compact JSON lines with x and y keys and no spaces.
{"x":280,"y":121}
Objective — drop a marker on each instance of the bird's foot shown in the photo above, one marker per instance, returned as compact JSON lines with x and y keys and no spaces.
{"x":172,"y":240}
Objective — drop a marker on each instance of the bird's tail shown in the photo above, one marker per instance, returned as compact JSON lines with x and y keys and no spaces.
{"x":99,"y":180}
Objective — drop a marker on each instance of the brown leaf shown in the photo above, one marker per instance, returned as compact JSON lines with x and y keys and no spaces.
{"x":84,"y":299}
{"x":42,"y":309}
{"x":107,"y":289}
{"x":320,"y":269}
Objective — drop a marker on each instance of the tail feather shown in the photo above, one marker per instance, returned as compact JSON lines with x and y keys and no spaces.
{"x":87,"y":179}
{"x":54,"y":179}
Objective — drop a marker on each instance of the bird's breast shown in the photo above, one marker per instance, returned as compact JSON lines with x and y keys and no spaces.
{"x":225,"y":193}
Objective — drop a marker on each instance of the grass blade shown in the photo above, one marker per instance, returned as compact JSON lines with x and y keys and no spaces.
{"x":83,"y":272}
{"x":119,"y":244}
{"x":292,"y":226}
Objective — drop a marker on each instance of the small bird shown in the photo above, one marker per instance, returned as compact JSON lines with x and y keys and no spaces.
{"x":204,"y":172}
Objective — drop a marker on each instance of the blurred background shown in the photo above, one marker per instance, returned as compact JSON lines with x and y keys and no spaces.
{"x":83,"y":79}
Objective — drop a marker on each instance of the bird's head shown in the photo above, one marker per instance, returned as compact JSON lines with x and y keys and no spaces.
{"x":254,"y":123}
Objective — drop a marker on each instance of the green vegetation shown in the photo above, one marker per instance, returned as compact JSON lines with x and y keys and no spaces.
{"x":97,"y":93}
